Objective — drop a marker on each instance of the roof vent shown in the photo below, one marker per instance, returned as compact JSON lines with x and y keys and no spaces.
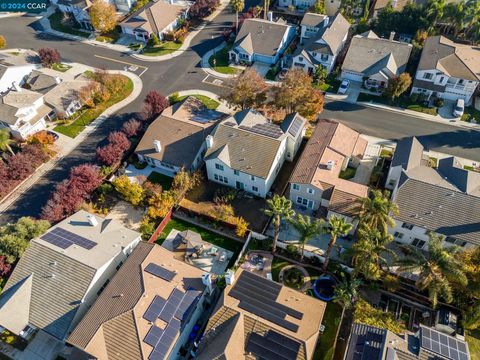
{"x":330,"y":164}
{"x":92,"y":220}
{"x":157,"y":145}
{"x":209,"y":141}
{"x":53,"y":263}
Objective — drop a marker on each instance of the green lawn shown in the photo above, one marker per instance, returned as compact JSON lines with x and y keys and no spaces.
{"x":473,"y":340}
{"x":164,"y":48}
{"x":471,"y":114}
{"x":348,"y":173}
{"x":208,"y":102}
{"x":206,"y":235}
{"x":56,"y":22}
{"x":61,"y":67}
{"x":163,"y":180}
{"x":326,"y":341}
{"x":277,"y":265}
{"x":221,"y":62}
{"x":89,"y":115}
{"x":402,"y":102}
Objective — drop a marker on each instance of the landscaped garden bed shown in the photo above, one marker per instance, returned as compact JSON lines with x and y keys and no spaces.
{"x":60,"y":23}
{"x":219,"y":62}
{"x":471,"y":114}
{"x":403,"y":102}
{"x":61,"y":67}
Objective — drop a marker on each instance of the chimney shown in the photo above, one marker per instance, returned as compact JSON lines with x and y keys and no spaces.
{"x":270,"y":16}
{"x":92,"y":220}
{"x":57,"y":80}
{"x":392,"y":35}
{"x":207,"y":281}
{"x":16,"y":87}
{"x":230,"y":277}
{"x":157,"y":145}
{"x":209,"y":141}
{"x":330,"y":164}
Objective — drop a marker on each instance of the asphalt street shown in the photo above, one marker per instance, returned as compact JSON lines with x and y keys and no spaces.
{"x":183,"y":73}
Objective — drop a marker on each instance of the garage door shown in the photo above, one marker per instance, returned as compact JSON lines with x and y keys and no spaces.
{"x":351,"y":76}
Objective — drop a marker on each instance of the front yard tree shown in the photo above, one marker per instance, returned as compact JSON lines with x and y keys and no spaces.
{"x":336,"y":226}
{"x":237,"y":6}
{"x":3,"y":42}
{"x":318,"y":7}
{"x":374,"y":212}
{"x":154,"y":104}
{"x":49,"y":56}
{"x":307,"y":228}
{"x":103,"y":16}
{"x":437,"y":269}
{"x":247,"y":90}
{"x":279,"y":208}
{"x":398,"y":85}
{"x":131,"y":127}
{"x":6,"y":141}
{"x":154,"y":40}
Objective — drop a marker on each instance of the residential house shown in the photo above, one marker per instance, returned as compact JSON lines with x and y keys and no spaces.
{"x":447,"y":70}
{"x":374,"y":61}
{"x":177,"y":138}
{"x":379,"y":5}
{"x":188,"y":246}
{"x":24,"y":112}
{"x":311,"y":25}
{"x":256,"y":318}
{"x":315,"y":182}
{"x":372,"y":343}
{"x":246,"y":151}
{"x":322,"y":46}
{"x":300,"y":5}
{"x":11,"y":74}
{"x":262,"y":41}
{"x":147,"y":311}
{"x":444,"y":199}
{"x":157,"y":17}
{"x":60,"y":275}
{"x":44,"y":79}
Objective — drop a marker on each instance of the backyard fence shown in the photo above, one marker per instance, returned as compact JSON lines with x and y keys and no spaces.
{"x":161,"y":226}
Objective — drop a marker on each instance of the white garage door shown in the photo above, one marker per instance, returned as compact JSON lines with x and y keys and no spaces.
{"x":351,"y":76}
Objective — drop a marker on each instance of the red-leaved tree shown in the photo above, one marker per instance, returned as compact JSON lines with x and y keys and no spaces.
{"x":131,"y":127}
{"x":49,"y":56}
{"x":5,"y":267}
{"x":119,"y":140}
{"x":154,"y":104}
{"x":108,"y":155}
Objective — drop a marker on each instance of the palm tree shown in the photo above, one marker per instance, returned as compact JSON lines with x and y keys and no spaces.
{"x":368,"y":253}
{"x":237,"y":6}
{"x":346,"y":292}
{"x":279,"y":208}
{"x":337,"y":226}
{"x":456,"y":17}
{"x":374,"y":211}
{"x":6,"y":141}
{"x":435,"y":10}
{"x":436,"y":269}
{"x":307,"y":229}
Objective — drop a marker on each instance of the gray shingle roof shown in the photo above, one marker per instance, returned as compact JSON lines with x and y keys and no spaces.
{"x":408,"y":153}
{"x":261,"y":36}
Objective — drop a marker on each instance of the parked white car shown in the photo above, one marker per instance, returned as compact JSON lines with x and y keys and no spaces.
{"x":459,"y":108}
{"x":343,"y":87}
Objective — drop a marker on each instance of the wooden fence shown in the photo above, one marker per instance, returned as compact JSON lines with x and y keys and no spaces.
{"x":161,"y":226}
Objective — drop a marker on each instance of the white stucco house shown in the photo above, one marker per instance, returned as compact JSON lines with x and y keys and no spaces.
{"x":157,"y":17}
{"x":444,"y":200}
{"x":262,"y":41}
{"x":447,"y":70}
{"x":374,"y":61}
{"x":246,"y":150}
{"x":322,"y":40}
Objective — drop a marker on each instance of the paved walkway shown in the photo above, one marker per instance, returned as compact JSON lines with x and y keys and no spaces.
{"x":364,"y":171}
{"x":65,"y":144}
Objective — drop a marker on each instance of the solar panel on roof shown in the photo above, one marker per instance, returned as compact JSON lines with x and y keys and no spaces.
{"x":154,"y":309}
{"x":446,"y":346}
{"x":371,"y":352}
{"x":295,"y":127}
{"x":159,"y":271}
{"x":283,"y":340}
{"x":371,"y":336}
{"x":64,"y":239}
{"x":56,"y":240}
{"x":153,"y":336}
{"x":268,"y":316}
{"x":263,"y":347}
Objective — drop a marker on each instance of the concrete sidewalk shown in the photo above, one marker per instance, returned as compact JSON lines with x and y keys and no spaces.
{"x":65,"y":145}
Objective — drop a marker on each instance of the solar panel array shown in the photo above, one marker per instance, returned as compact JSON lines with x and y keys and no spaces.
{"x":273,"y":346}
{"x":444,"y":345}
{"x":258,"y":296}
{"x":172,"y":311}
{"x":267,"y":129}
{"x":296,"y":126}
{"x":159,"y":271}
{"x":369,"y":346}
{"x":64,"y":239}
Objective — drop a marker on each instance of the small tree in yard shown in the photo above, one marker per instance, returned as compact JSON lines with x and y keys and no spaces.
{"x":154,"y":40}
{"x":398,"y":85}
{"x":6,"y":141}
{"x":109,"y":155}
{"x":87,"y":94}
{"x":247,"y":90}
{"x":161,"y":204}
{"x":131,"y":127}
{"x":3,"y":42}
{"x":154,"y":104}
{"x":131,"y":192}
{"x":49,"y":56}
{"x":241,"y":227}
{"x":337,"y":226}
{"x":119,"y":140}
{"x":103,"y":16}
{"x":183,"y":182}
{"x":307,"y":229}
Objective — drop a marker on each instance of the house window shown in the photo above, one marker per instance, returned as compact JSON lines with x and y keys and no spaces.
{"x":460,"y":82}
{"x":215,"y":176}
{"x":244,"y":56}
{"x":407,"y":226}
{"x":457,"y":242}
{"x":441,"y":79}
{"x":418,"y":243}
{"x":428,"y":76}
{"x":324,"y":57}
{"x":219,"y":167}
{"x":398,"y":235}
{"x":236,"y":172}
{"x":460,"y":243}
{"x":450,"y":240}
{"x":252,"y":177}
{"x":220,"y":178}
{"x":300,"y":58}
{"x":310,"y":191}
{"x":314,"y":54}
{"x":296,"y":187}
{"x":254,"y":188}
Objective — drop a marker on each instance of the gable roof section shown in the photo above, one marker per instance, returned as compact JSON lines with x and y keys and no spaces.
{"x":453,"y":59}
{"x":408,"y":153}
{"x":368,"y":54}
{"x":16,"y":300}
{"x":59,"y":284}
{"x":313,"y":19}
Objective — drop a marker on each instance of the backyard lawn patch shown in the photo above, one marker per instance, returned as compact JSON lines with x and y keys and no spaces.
{"x":164,"y":48}
{"x":348,"y":173}
{"x":473,"y":340}
{"x":221,"y":63}
{"x":57,"y":22}
{"x":208,"y":102}
{"x":326,"y":342}
{"x":164,"y":180}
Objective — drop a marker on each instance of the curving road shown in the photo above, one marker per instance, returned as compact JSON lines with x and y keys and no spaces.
{"x":183,"y":73}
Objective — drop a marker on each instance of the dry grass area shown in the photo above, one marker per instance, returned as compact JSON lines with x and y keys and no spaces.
{"x":128,"y":214}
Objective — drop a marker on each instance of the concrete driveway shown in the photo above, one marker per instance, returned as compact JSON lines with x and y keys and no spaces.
{"x":353,"y":91}
{"x":261,"y":69}
{"x":445,"y":112}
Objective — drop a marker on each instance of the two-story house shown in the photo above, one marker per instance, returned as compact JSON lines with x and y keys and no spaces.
{"x":447,"y":70}
{"x":23,"y":112}
{"x":262,"y":41}
{"x":246,"y":151}
{"x":320,"y":47}
{"x":316,"y":184}
{"x":59,"y":277}
{"x":176,"y":139}
{"x":444,"y":200}
{"x":374,"y":61}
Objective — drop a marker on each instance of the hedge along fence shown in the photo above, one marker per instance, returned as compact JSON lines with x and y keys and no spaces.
{"x":160,"y":227}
